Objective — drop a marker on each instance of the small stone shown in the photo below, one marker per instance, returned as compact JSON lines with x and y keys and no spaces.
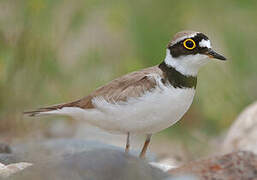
{"x":9,"y":158}
{"x":6,"y":171}
{"x":4,"y":148}
{"x":165,"y":164}
{"x":2,"y":165}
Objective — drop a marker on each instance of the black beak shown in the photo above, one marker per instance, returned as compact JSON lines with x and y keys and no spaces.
{"x":212,"y":54}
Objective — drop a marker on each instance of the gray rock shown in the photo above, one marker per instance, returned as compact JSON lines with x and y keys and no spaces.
{"x":9,"y":159}
{"x":6,"y":156}
{"x":59,"y":148}
{"x":79,"y":159}
{"x":101,"y":164}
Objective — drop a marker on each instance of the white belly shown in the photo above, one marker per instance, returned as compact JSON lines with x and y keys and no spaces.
{"x":150,"y":113}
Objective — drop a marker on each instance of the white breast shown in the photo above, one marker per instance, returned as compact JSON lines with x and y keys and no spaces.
{"x":150,"y":113}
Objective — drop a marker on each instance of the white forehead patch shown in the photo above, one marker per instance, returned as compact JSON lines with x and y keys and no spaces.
{"x":205,"y":43}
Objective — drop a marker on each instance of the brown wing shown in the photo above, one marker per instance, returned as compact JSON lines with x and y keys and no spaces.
{"x":131,"y":85}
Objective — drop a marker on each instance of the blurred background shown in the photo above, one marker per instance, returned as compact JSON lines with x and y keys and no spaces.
{"x":58,"y":51}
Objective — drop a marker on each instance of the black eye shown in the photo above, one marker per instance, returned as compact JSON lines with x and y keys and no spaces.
{"x":189,"y":44}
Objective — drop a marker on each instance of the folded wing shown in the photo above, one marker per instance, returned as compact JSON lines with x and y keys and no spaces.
{"x":134,"y":84}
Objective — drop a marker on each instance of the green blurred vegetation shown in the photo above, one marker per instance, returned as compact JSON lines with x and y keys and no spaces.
{"x":57,"y":51}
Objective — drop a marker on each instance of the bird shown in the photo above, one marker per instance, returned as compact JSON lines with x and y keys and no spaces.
{"x":146,"y":101}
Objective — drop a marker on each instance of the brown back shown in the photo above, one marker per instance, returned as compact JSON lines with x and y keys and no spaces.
{"x":134,"y":84}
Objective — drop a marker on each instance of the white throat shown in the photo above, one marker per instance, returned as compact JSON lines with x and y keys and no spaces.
{"x":188,"y":65}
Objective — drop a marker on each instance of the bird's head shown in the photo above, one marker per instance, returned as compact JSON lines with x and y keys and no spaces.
{"x":188,"y":51}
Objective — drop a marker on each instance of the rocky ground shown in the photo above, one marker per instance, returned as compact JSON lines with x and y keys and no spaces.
{"x":77,"y":159}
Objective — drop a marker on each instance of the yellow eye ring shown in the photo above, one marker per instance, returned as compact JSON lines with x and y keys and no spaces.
{"x":188,"y":41}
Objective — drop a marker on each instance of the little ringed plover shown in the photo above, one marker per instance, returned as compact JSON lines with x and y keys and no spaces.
{"x":146,"y":101}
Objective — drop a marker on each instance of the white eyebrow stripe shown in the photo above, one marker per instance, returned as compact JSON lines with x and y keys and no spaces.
{"x":205,"y":43}
{"x":184,"y":37}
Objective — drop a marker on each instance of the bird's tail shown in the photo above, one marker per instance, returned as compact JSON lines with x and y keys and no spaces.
{"x":58,"y":109}
{"x":42,"y":111}
{"x":50,"y":110}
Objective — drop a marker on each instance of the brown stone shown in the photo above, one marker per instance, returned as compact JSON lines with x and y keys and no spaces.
{"x":240,"y":165}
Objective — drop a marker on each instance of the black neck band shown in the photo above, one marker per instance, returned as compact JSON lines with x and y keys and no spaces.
{"x":177,"y":79}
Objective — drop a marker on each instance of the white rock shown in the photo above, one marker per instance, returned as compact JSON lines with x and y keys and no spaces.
{"x":243,"y":133}
{"x":165,"y":165}
{"x":2,"y":166}
{"x":7,"y":170}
